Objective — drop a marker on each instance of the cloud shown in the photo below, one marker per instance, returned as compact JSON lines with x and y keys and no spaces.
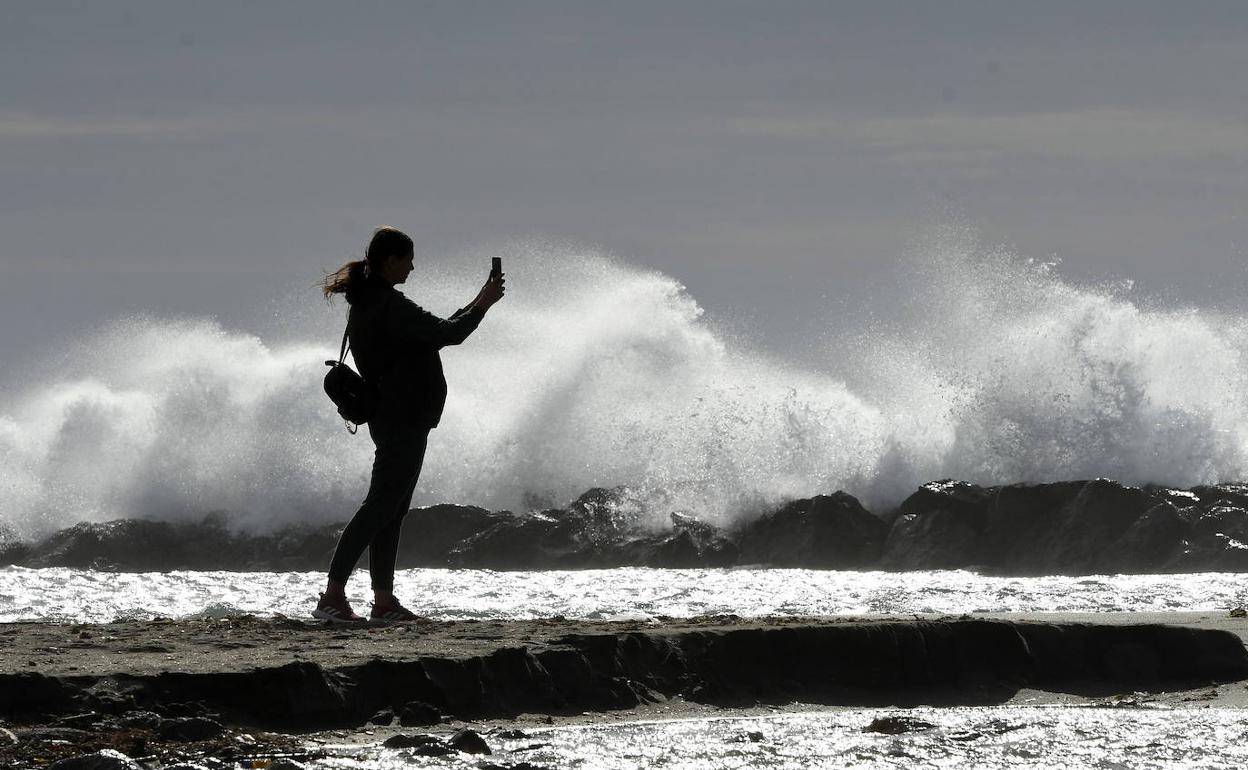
{"x":1098,"y":134}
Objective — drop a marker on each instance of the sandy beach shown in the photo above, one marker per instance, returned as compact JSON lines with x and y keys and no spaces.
{"x":190,"y":687}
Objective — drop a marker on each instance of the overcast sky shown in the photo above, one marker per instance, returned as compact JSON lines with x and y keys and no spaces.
{"x":206,"y":158}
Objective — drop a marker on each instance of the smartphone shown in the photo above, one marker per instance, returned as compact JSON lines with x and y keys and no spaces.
{"x":496,"y":266}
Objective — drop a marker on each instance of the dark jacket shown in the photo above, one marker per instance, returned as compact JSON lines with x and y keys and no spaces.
{"x":395,"y":343}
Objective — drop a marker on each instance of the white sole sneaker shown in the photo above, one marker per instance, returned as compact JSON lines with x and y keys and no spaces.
{"x":393,"y":617}
{"x":335,"y":616}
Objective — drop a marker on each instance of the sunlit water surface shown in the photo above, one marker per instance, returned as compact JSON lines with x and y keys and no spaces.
{"x":72,"y":595}
{"x":993,"y":737}
{"x":996,"y":737}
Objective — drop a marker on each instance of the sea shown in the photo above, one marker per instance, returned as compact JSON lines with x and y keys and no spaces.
{"x":978,"y":364}
{"x":61,"y":595}
{"x":996,"y":737}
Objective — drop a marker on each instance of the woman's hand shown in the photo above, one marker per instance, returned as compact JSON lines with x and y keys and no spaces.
{"x":491,"y":292}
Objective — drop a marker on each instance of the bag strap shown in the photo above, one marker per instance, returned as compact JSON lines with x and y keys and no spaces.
{"x":346,"y":344}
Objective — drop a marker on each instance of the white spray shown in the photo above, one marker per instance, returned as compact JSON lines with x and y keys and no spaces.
{"x":595,"y":373}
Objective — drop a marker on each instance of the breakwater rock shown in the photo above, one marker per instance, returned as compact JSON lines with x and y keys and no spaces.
{"x":1073,"y":527}
{"x":194,"y":677}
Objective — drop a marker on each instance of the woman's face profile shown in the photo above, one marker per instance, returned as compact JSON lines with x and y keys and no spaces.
{"x":397,"y":268}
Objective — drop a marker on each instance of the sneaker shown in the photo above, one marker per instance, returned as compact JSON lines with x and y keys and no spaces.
{"x":335,"y":611}
{"x":392,"y":612}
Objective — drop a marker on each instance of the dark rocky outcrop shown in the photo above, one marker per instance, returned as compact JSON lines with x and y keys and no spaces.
{"x":938,"y":527}
{"x":1067,"y":527}
{"x":469,"y":742}
{"x":897,"y":724}
{"x":441,"y":528}
{"x":960,"y":660}
{"x":1075,"y":527}
{"x":417,"y":714}
{"x":143,"y":545}
{"x":830,"y":531}
{"x":1070,"y":527}
{"x":601,"y":528}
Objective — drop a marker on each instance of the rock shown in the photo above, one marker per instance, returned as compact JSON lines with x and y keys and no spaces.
{"x":1207,"y":497}
{"x":587,"y":533}
{"x":382,"y":717}
{"x":7,"y":738}
{"x":106,"y":700}
{"x":896,"y":725}
{"x":752,"y":736}
{"x":469,"y":742}
{"x":409,"y":741}
{"x":1070,"y":527}
{"x":104,"y":759}
{"x":602,"y":528}
{"x":1217,"y":539}
{"x":419,"y":714}
{"x":523,"y":541}
{"x":137,"y":544}
{"x":598,"y":529}
{"x":433,"y":750}
{"x":827,"y":531}
{"x":143,"y":545}
{"x":1151,"y":542}
{"x":691,"y":544}
{"x":189,"y":729}
{"x":294,"y":547}
{"x":1221,"y":520}
{"x":285,"y":763}
{"x":195,"y":766}
{"x":442,"y":527}
{"x":513,"y":735}
{"x":1074,"y":527}
{"x":149,"y":720}
{"x":31,"y":693}
{"x":938,"y":527}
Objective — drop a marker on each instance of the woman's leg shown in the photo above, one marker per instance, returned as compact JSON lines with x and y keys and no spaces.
{"x":384,"y":549}
{"x":395,"y":465}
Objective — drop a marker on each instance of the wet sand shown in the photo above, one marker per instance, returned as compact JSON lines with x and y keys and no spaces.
{"x":140,"y":648}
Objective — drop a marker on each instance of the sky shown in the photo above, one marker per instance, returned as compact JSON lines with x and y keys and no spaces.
{"x":778,"y":158}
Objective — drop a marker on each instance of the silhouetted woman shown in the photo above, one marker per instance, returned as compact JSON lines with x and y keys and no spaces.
{"x":395,"y":344}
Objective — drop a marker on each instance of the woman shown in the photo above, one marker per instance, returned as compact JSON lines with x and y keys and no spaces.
{"x":395,"y":344}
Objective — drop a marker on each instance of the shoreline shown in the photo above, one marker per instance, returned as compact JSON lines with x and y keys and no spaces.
{"x":197,"y":685}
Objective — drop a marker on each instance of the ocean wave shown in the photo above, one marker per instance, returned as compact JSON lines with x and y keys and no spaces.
{"x":593,"y":372}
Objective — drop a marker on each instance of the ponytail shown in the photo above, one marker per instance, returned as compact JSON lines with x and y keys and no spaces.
{"x":386,"y":241}
{"x":344,"y":278}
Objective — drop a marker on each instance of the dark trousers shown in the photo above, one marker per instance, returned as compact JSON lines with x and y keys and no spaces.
{"x":376,"y":526}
